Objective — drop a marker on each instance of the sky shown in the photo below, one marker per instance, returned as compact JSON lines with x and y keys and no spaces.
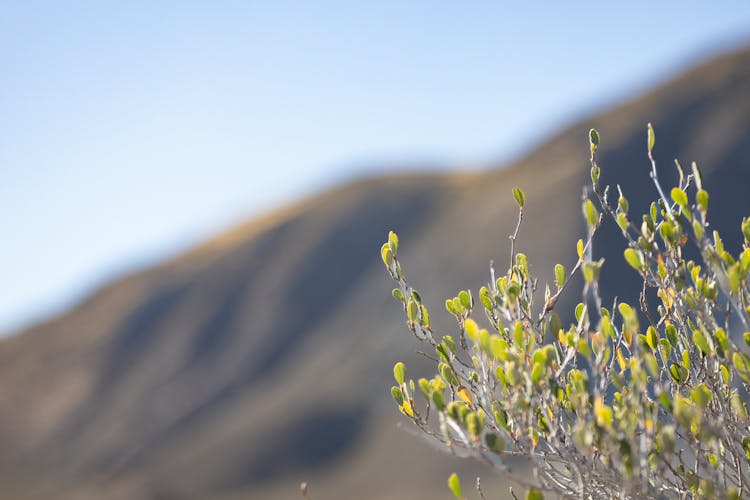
{"x":132,"y":130}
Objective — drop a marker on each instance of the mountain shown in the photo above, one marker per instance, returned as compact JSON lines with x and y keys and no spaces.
{"x":263,"y":357}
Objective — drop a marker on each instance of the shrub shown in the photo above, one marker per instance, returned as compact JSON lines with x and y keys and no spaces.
{"x":629,"y":400}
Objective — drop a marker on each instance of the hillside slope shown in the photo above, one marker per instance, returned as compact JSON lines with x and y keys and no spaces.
{"x":262,"y":358}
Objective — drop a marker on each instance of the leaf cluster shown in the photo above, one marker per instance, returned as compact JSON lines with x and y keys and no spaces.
{"x":627,"y":400}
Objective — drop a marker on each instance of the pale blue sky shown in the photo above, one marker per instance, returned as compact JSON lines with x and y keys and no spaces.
{"x":130,"y":130}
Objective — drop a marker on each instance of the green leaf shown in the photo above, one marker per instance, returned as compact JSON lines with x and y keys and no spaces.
{"x":702,"y":198}
{"x":540,"y":355}
{"x":442,"y":352}
{"x":721,"y":337}
{"x":652,"y":337}
{"x":665,"y":401}
{"x":590,"y":213}
{"x":465,"y":299}
{"x":412,"y":310}
{"x":650,"y":138}
{"x":560,"y":275}
{"x":635,"y":259}
{"x":593,"y":139}
{"x":698,"y":229}
{"x":518,"y":334}
{"x":738,"y":406}
{"x":425,"y":387}
{"x":425,"y":317}
{"x":386,"y":254}
{"x":667,"y":232}
{"x":651,"y":364}
{"x":701,"y":395}
{"x":580,"y":248}
{"x":451,"y":308}
{"x":605,"y":326}
{"x":472,"y":425}
{"x":603,"y":414}
{"x":399,"y":372}
{"x":697,"y":176}
{"x":680,"y":197}
{"x":665,"y":348}
{"x":449,"y":343}
{"x":685,"y":413}
{"x":625,"y":310}
{"x":454,"y":483}
{"x":519,"y":196}
{"x":742,"y":364}
{"x":595,"y":172}
{"x":522,"y":263}
{"x":588,"y":272}
{"x":448,"y":374}
{"x":514,"y":290}
{"x":671,"y":332}
{"x":622,"y":202}
{"x":393,"y":242}
{"x":734,"y":276}
{"x":702,"y":342}
{"x":398,"y":396}
{"x":724,"y":373}
{"x":745,"y":260}
{"x":679,"y":373}
{"x":438,"y":399}
{"x":397,"y":294}
{"x":486,"y":297}
{"x":579,"y":311}
{"x":471,"y":329}
{"x":534,"y":494}
{"x":622,"y":221}
{"x":498,"y":348}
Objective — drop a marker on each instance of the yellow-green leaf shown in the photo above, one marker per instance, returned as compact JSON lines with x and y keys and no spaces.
{"x":534,"y":494}
{"x":412,"y":310}
{"x":393,"y":242}
{"x":652,"y":338}
{"x":593,"y":139}
{"x":702,"y":198}
{"x":398,"y":396}
{"x":650,"y":138}
{"x":680,"y":197}
{"x":701,"y":395}
{"x":560,"y":275}
{"x":454,"y":483}
{"x":634,"y":258}
{"x":471,"y":329}
{"x":386,"y":254}
{"x":590,"y":213}
{"x":399,"y":372}
{"x":702,"y":342}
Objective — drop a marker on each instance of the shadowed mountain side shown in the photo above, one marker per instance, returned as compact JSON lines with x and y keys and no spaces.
{"x":263,"y":358}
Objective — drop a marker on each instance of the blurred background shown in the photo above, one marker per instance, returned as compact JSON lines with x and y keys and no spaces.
{"x":193,"y":196}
